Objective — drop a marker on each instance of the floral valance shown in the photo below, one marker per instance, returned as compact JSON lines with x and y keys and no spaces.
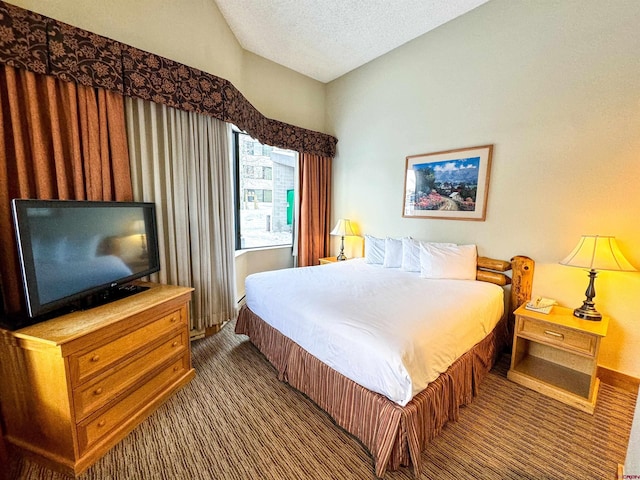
{"x":43,"y":45}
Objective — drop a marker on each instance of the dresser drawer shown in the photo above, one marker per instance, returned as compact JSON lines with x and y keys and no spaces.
{"x":83,"y":366}
{"x":573,"y":340}
{"x":92,"y":431}
{"x":93,"y":395}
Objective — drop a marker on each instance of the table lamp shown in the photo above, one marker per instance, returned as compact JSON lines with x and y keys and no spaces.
{"x":343,"y":229}
{"x":595,"y":252}
{"x":138,"y":227}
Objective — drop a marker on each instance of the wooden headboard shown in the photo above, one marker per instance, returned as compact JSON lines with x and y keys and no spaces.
{"x":491,"y":270}
{"x":521,"y":280}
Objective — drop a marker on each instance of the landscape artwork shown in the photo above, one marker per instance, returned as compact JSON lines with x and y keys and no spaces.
{"x":451,"y":185}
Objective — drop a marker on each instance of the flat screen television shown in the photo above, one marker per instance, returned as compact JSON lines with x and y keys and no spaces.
{"x":77,"y":254}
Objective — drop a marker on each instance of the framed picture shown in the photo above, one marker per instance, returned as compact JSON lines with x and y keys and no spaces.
{"x":450,"y":185}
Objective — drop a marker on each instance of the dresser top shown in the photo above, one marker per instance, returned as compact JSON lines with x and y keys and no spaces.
{"x":65,"y":328}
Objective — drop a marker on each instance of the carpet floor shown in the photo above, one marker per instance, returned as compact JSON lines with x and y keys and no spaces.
{"x":235,"y":420}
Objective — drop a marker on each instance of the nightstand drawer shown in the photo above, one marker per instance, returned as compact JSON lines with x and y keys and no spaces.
{"x":557,"y":335}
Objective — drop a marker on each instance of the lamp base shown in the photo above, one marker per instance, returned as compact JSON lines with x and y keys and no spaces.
{"x":588,"y":309}
{"x":587,"y":312}
{"x":341,"y":257}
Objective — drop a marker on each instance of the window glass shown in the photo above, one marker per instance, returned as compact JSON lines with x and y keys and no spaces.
{"x":265,"y":183}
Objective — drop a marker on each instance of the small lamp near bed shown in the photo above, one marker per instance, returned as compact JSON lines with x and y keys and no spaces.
{"x":343,"y":229}
{"x":595,"y":252}
{"x":138,"y":228}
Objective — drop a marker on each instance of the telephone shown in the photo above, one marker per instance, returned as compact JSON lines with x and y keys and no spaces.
{"x":541,"y":304}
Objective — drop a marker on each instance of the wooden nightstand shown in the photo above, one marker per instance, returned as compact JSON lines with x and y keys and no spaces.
{"x":325,"y":260}
{"x":557,"y":355}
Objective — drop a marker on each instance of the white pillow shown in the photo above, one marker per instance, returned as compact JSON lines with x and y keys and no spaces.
{"x":458,"y":262}
{"x":80,"y":248}
{"x":411,"y":253}
{"x":392,"y":253}
{"x":374,"y":250}
{"x":48,"y":250}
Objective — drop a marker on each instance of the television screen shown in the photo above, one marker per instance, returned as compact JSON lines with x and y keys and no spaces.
{"x":69,"y":250}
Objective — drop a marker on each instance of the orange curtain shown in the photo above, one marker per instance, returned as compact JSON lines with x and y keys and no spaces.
{"x":58,"y":140}
{"x":315,"y":194}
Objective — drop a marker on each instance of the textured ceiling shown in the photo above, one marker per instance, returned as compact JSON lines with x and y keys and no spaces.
{"x":325,"y":39}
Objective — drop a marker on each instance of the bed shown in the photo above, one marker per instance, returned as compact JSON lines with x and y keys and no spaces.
{"x":78,"y":275}
{"x":390,"y":363}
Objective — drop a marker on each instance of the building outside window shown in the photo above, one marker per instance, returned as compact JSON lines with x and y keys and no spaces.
{"x":265,"y":183}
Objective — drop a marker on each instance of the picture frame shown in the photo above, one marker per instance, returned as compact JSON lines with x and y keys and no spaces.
{"x":448,"y":185}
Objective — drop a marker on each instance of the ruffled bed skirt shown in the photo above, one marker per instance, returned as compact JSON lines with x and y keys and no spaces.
{"x":394,"y":435}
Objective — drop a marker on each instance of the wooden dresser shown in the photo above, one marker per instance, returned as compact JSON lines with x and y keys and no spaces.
{"x":73,"y":386}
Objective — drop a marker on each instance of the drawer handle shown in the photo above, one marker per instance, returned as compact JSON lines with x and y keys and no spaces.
{"x":554,"y":334}
{"x":174,"y":344}
{"x":95,"y":358}
{"x":176,"y":368}
{"x":174,"y":319}
{"x":97,"y":391}
{"x":102,"y":423}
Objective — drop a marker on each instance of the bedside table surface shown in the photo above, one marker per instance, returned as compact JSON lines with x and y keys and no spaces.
{"x":564,"y":316}
{"x":325,"y":260}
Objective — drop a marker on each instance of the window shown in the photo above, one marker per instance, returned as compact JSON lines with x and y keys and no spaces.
{"x":264,"y":193}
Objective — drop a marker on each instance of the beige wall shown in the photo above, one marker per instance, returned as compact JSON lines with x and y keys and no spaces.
{"x":554,"y":86}
{"x":283,"y":94}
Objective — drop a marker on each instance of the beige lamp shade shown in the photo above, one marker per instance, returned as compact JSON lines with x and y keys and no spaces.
{"x":343,"y":228}
{"x":595,"y":252}
{"x":598,"y":252}
{"x":137,"y":227}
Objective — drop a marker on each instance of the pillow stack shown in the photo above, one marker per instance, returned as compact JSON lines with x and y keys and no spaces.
{"x":430,"y":259}
{"x":374,"y":249}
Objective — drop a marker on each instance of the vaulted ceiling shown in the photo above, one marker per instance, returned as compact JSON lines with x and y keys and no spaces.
{"x":325,"y":39}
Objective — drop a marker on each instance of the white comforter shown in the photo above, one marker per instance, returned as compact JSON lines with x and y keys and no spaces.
{"x":386,"y":329}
